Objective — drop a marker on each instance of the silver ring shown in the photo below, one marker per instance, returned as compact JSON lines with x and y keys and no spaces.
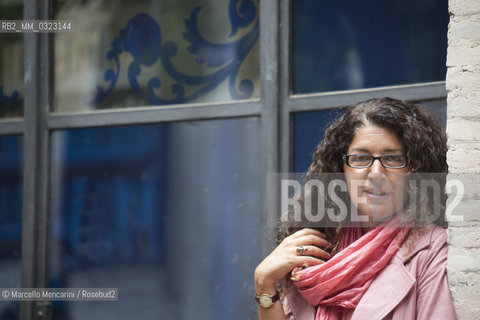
{"x":301,"y":249}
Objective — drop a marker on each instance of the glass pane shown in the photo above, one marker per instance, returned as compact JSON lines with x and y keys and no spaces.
{"x":349,"y":44}
{"x":152,"y":52}
{"x":308,"y":131}
{"x":11,"y":63}
{"x":11,"y":165}
{"x":309,"y":128}
{"x":169,"y":214}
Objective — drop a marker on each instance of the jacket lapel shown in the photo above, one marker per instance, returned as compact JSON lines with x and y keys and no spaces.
{"x":392,"y":284}
{"x":386,"y":291}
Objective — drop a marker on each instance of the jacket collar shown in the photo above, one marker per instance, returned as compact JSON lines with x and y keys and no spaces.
{"x":417,"y":241}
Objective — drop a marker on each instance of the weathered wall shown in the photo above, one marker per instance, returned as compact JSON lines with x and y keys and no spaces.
{"x":463,"y":129}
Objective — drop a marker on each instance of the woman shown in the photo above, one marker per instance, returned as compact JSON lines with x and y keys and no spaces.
{"x":387,"y":263}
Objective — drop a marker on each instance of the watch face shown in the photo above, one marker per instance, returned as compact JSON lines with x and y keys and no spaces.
{"x":265,"y":301}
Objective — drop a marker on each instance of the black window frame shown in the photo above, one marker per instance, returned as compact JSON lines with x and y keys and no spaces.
{"x":275,"y":108}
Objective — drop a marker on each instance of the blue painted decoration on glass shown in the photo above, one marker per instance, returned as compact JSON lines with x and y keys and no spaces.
{"x":142,"y":38}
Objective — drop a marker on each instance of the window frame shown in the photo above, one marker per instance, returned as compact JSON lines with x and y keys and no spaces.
{"x":275,"y":109}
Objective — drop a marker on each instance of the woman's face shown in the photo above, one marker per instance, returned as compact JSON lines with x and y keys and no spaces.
{"x":376,"y":191}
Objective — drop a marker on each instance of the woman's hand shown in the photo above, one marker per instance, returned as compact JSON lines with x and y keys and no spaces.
{"x":286,"y":257}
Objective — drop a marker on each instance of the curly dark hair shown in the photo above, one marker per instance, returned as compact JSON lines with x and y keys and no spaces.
{"x":423,"y":138}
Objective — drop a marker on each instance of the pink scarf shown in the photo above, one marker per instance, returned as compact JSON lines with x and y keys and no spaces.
{"x":338,"y":285}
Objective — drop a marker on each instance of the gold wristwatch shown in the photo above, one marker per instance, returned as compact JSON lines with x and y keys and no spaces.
{"x":266,"y":300}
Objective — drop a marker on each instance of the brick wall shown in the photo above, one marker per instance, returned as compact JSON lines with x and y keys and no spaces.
{"x":463,"y":129}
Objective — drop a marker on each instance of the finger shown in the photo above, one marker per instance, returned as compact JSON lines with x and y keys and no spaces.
{"x":313,"y":251}
{"x":307,"y":231}
{"x":307,"y":261}
{"x":314,"y":240}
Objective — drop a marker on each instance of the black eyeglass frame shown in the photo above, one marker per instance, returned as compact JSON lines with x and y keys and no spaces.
{"x":346,"y":158}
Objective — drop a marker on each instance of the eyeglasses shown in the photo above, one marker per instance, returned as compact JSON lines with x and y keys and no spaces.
{"x":390,"y":161}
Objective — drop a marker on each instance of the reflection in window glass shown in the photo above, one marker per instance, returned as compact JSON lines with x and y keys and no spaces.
{"x":10,"y":219}
{"x":155,"y":52}
{"x":169,"y":214}
{"x":309,"y":128}
{"x":11,"y":63}
{"x":348,"y":44}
